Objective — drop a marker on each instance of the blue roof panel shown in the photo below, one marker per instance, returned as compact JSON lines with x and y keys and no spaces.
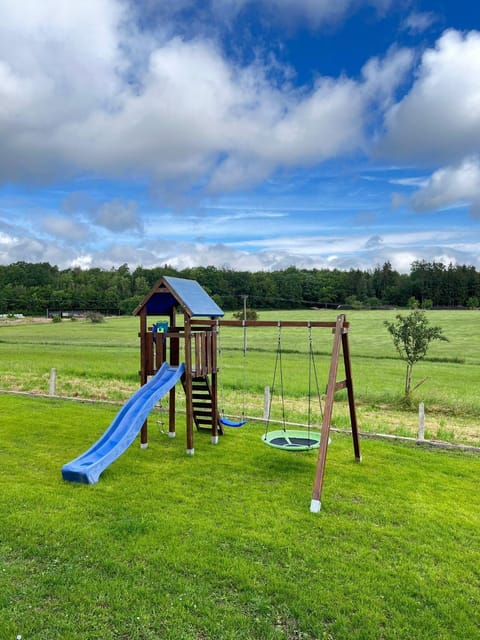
{"x":192,"y":296}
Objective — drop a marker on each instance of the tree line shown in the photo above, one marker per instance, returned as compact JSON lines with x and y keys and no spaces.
{"x":39,"y":288}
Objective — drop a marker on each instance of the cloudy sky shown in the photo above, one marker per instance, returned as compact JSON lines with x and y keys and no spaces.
{"x":246,"y":134}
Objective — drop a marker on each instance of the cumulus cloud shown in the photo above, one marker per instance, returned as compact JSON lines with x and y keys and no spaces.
{"x":97,"y":90}
{"x":117,"y":215}
{"x":114,"y":215}
{"x":439,"y":118}
{"x":58,"y":62}
{"x":63,"y":227}
{"x":452,"y":185}
{"x":382,"y":76}
{"x":201,"y":118}
{"x":85,"y":91}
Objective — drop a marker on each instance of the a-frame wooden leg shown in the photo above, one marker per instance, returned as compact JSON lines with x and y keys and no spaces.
{"x":351,"y":398}
{"x":340,"y":340}
{"x":316,"y":504}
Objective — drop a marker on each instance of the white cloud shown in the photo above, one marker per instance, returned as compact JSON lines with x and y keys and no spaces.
{"x":83,"y":92}
{"x":419,"y":21}
{"x":58,"y":62}
{"x":117,"y":215}
{"x":382,"y":76}
{"x":415,"y":181}
{"x":439,"y":119}
{"x":343,"y":248}
{"x":200,"y":116}
{"x":65,"y":228}
{"x":452,"y":185}
{"x":74,"y":99}
{"x":314,"y":12}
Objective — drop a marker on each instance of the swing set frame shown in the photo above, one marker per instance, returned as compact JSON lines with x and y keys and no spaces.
{"x":339,"y":328}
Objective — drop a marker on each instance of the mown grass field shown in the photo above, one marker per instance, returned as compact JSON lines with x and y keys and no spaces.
{"x":222,"y":546}
{"x":102,"y":360}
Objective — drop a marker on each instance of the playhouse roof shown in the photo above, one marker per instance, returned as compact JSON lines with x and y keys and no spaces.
{"x":170,"y":292}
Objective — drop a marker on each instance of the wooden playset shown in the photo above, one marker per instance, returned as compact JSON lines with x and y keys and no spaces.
{"x":194,"y":343}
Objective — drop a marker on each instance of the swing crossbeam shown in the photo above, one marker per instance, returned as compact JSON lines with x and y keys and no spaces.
{"x":267,"y":323}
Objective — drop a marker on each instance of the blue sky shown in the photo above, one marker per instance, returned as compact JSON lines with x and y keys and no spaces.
{"x":245,"y":134}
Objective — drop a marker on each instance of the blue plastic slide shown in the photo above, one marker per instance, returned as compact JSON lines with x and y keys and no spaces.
{"x":124,"y":428}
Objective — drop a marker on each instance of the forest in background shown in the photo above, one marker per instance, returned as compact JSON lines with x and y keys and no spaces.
{"x":40,"y":288}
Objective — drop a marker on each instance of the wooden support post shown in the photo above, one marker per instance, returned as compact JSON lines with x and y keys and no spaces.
{"x":212,"y":366}
{"x":351,"y":397}
{"x":174,"y":361}
{"x":160,"y":349}
{"x":188,"y":384}
{"x":143,"y":370}
{"x":316,"y":504}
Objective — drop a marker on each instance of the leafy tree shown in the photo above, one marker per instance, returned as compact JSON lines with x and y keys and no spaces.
{"x":251,"y":314}
{"x":412,"y":335}
{"x":354,"y":302}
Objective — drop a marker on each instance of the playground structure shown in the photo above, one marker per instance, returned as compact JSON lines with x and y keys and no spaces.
{"x":161,"y":367}
{"x":161,"y":341}
{"x":158,"y":344}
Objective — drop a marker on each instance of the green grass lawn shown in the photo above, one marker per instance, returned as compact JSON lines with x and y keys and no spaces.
{"x":222,"y":545}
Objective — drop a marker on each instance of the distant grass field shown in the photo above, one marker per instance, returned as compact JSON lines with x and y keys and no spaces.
{"x":221,"y":545}
{"x":102,"y":361}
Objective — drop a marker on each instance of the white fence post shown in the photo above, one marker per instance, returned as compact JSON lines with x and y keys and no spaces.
{"x":421,"y":421}
{"x":266,"y":403}
{"x":53,"y":382}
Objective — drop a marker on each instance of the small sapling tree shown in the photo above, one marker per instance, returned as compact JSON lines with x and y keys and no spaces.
{"x":412,"y":335}
{"x":251,"y":314}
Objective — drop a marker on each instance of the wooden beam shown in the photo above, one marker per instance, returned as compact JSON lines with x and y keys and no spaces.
{"x":316,"y":504}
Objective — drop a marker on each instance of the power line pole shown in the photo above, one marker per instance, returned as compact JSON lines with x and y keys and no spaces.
{"x":244,"y":296}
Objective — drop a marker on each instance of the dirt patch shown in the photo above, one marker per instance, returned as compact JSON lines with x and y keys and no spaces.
{"x":9,"y":322}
